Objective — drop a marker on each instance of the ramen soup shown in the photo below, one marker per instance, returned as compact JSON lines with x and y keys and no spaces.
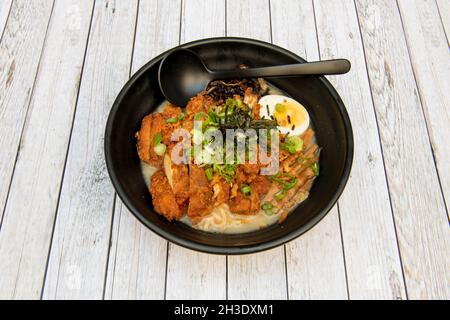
{"x":211,"y":192}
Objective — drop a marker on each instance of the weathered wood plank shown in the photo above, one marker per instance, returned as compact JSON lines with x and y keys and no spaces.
{"x":370,"y":246}
{"x":155,"y":33}
{"x":211,"y":24}
{"x":444,"y":12}
{"x":262,"y":275}
{"x":315,"y":264}
{"x":30,"y":211}
{"x":194,"y":275}
{"x":429,"y":52}
{"x":191,"y":274}
{"x":257,"y":276}
{"x":81,"y":238}
{"x":417,"y":202}
{"x":137,"y":261}
{"x":249,"y":19}
{"x":20,"y":50}
{"x":5,"y":6}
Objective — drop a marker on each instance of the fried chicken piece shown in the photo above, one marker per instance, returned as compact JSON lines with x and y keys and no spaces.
{"x":163,"y":197}
{"x":150,"y":126}
{"x":251,"y":168}
{"x":199,"y":103}
{"x":240,"y":177}
{"x":246,"y":173}
{"x":170,"y":111}
{"x":249,"y":204}
{"x":200,"y":193}
{"x":244,"y":204}
{"x":221,"y":189}
{"x":178,"y":177}
{"x":260,"y":185}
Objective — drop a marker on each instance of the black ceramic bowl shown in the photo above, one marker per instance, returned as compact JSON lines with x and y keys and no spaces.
{"x":141,"y":95}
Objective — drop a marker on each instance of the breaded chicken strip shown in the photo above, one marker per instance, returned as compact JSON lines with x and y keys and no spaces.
{"x":221,"y":189}
{"x":178,"y":177}
{"x":200,"y":193}
{"x":244,"y":204}
{"x":163,"y":197}
{"x":260,"y":185}
{"x":151,"y":125}
{"x":170,"y":112}
{"x":199,"y":103}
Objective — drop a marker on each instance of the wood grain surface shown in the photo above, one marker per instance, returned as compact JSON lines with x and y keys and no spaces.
{"x":65,"y":234}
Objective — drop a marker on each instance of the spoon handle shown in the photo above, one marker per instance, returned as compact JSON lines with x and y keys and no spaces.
{"x":326,"y":67}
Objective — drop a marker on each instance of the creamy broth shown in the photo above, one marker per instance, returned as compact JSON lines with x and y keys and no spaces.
{"x":221,"y":219}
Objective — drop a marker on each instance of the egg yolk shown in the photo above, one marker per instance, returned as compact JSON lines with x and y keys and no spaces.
{"x":289,"y":114}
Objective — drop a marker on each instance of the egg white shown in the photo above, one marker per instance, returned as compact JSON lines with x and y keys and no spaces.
{"x":270,"y":101}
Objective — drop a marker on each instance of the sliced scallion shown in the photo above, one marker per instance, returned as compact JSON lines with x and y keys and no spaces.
{"x":209,"y":174}
{"x":315,"y":168}
{"x":280,"y":195}
{"x":246,"y":189}
{"x":160,"y":149}
{"x":290,"y":184}
{"x":157,"y":139}
{"x":171,"y":120}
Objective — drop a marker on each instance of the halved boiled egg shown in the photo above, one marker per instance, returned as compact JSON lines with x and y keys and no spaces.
{"x":291,"y":116}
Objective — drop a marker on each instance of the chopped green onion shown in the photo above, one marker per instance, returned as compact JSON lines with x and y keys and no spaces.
{"x":315,"y":168}
{"x":293,"y":144}
{"x":278,"y":176}
{"x":181,"y":116}
{"x":226,"y":171}
{"x":289,"y":185}
{"x":157,"y":139}
{"x":221,"y":114}
{"x":229,"y":102}
{"x":213,"y":117}
{"x":267,"y":206}
{"x":297,"y":142}
{"x":159,"y":149}
{"x":280,"y":107}
{"x":213,"y":120}
{"x":280,"y":195}
{"x":288,"y":148}
{"x":171,"y":120}
{"x":200,"y":115}
{"x":246,"y":189}
{"x":233,"y":102}
{"x":209,"y":174}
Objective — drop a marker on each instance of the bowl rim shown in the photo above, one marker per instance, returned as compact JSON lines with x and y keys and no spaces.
{"x":227,"y":250}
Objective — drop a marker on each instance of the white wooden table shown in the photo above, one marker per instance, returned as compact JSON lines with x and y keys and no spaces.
{"x":66,"y":235}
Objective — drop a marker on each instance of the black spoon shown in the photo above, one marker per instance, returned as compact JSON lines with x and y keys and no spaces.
{"x":182,"y":74}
